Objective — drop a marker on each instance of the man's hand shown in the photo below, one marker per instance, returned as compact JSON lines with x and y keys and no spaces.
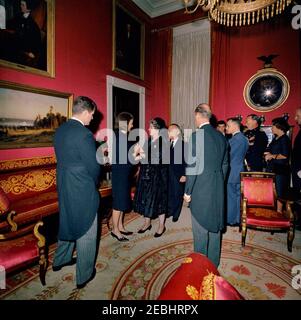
{"x":187,"y":198}
{"x":183,"y":179}
{"x":299,"y":174}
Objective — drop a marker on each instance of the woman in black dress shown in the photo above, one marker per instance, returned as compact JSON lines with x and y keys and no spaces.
{"x":121,"y":175}
{"x":151,"y":197}
{"x":277,"y":157}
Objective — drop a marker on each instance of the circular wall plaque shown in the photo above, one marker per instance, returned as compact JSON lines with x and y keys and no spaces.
{"x":266,"y":90}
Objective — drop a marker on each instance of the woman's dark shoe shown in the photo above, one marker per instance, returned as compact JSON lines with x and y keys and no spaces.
{"x":157,"y":235}
{"x":126,"y":233}
{"x":144,"y":230}
{"x":119,"y":239}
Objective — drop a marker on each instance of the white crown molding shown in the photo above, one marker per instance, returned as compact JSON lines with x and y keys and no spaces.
{"x":155,"y":8}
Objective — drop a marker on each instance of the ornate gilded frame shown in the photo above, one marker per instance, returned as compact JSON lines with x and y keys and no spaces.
{"x":17,"y":132}
{"x":264,"y":75}
{"x":50,"y":50}
{"x":131,"y":53}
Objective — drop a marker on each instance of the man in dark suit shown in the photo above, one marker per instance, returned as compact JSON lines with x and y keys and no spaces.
{"x":238,"y":148}
{"x":205,"y":173}
{"x":176,"y":172}
{"x":296,"y":168}
{"x":77,"y":185}
{"x":258,"y":142}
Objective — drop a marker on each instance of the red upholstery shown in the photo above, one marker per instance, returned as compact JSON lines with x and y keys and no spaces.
{"x":259,"y":203}
{"x":217,"y":288}
{"x":266,"y":218}
{"x":17,"y":252}
{"x":4,"y":202}
{"x":197,"y":278}
{"x":258,"y":191}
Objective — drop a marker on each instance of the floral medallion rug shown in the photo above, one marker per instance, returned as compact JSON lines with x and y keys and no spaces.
{"x":139,"y":269}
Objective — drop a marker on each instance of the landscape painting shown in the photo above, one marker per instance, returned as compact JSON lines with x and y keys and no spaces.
{"x":29,"y":116}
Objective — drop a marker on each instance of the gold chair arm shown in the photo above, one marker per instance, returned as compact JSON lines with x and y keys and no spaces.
{"x":38,"y":235}
{"x":289,"y":212}
{"x":11,"y":222}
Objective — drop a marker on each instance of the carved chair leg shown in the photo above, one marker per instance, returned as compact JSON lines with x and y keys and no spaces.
{"x":243,"y":235}
{"x":290,"y":238}
{"x":43,"y":262}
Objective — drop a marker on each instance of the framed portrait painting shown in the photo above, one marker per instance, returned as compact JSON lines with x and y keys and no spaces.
{"x":29,"y":116}
{"x":27,"y":35}
{"x":128,"y":42}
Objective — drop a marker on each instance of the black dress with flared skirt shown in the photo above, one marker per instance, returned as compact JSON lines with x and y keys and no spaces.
{"x":151,"y":197}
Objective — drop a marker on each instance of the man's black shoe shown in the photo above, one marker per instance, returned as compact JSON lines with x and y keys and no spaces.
{"x":175,"y":219}
{"x":58,"y":268}
{"x":82,"y":285}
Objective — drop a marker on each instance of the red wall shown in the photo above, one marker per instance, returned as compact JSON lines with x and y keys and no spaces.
{"x":83,"y":58}
{"x":83,"y":45}
{"x":242,"y":48}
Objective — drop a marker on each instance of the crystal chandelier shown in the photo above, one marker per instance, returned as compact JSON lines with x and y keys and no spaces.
{"x":238,"y":12}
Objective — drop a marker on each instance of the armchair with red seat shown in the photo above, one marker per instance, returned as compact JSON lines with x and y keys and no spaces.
{"x":22,"y":246}
{"x":259,"y":206}
{"x":198,"y":279}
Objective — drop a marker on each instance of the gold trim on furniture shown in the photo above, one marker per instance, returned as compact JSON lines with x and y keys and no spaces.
{"x":8,"y":165}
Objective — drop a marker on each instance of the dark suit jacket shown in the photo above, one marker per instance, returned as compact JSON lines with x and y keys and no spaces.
{"x":206,"y":186}
{"x":255,"y":152}
{"x":77,"y":179}
{"x":238,"y":148}
{"x":177,"y":159}
{"x":176,"y":170}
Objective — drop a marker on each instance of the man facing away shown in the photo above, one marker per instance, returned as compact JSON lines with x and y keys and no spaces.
{"x":238,"y":148}
{"x":77,"y":185}
{"x":176,"y":172}
{"x":204,"y":187}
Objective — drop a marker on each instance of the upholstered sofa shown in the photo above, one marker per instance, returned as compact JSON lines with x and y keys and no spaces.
{"x":27,"y":195}
{"x":30,"y":186}
{"x":198,"y":279}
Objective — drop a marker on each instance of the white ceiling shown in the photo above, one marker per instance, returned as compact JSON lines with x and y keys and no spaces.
{"x":155,"y":8}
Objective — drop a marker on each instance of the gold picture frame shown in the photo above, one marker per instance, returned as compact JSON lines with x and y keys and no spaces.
{"x":29,"y":116}
{"x":266,"y":90}
{"x":128,"y":42}
{"x":32,"y":50}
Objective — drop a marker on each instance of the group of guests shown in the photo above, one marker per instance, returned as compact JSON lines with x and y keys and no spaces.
{"x":160,"y":182}
{"x":160,"y":186}
{"x":250,"y":151}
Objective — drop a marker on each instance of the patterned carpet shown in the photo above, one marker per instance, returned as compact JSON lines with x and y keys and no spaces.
{"x":139,"y":269}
